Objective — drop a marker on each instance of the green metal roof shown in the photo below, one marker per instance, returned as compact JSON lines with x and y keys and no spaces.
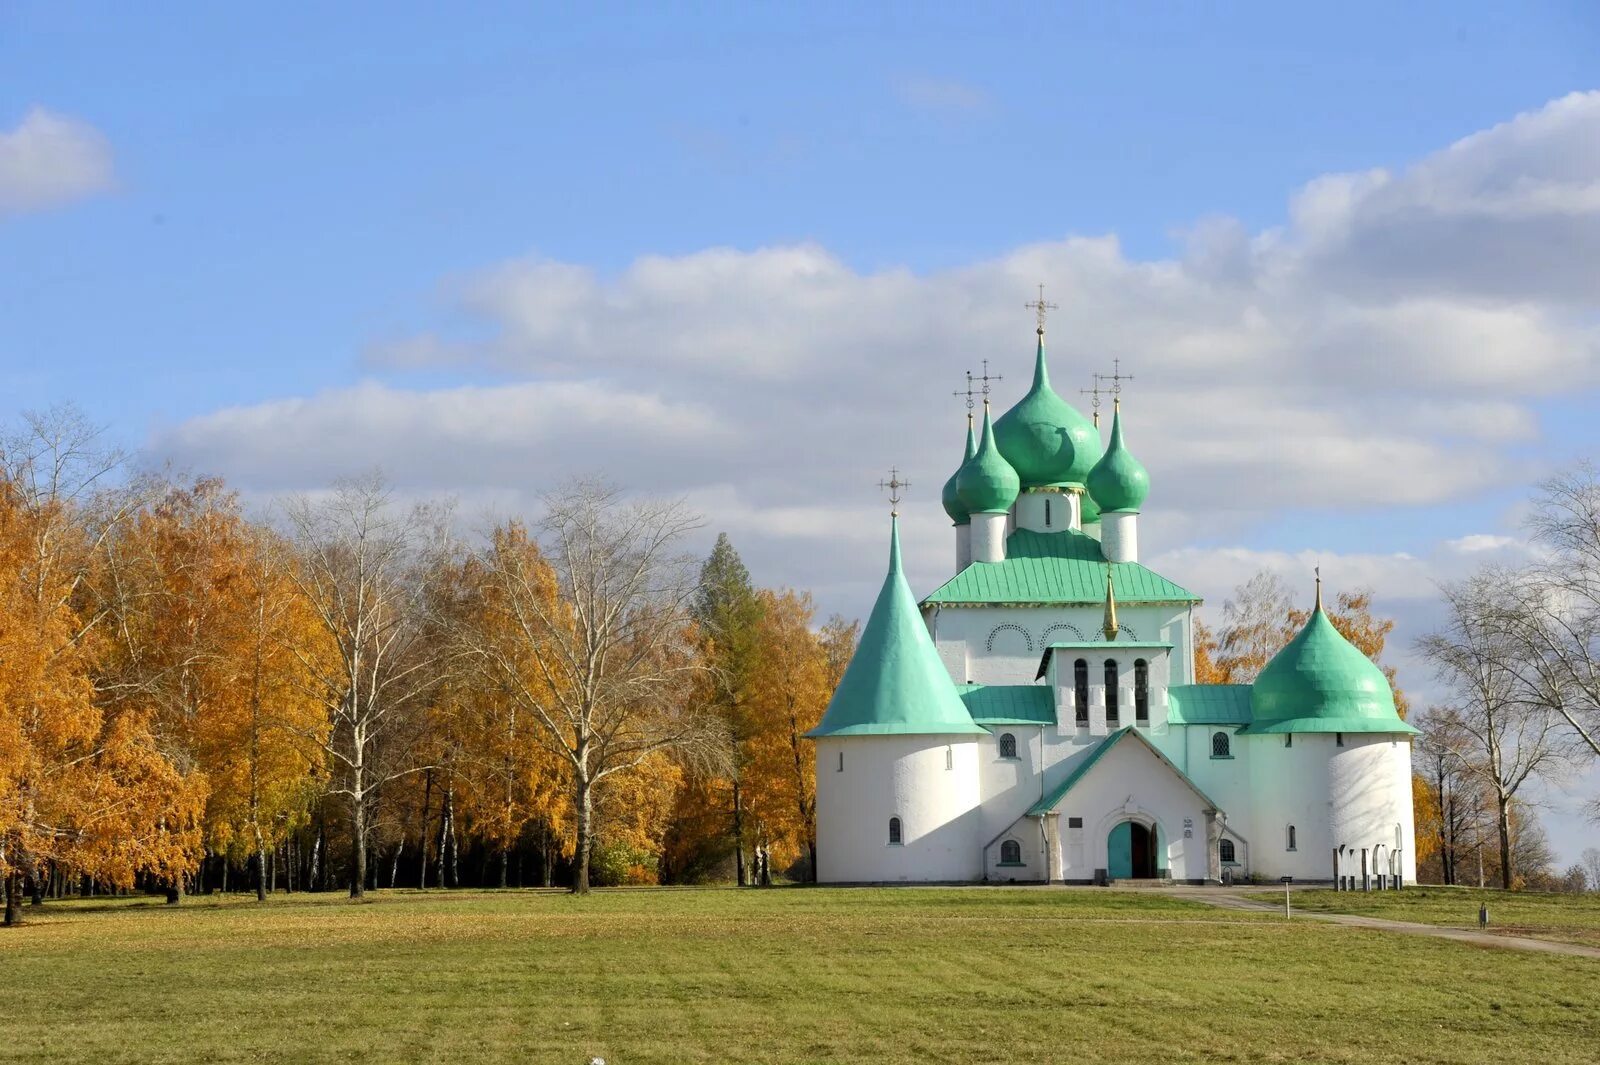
{"x":1208,"y":704}
{"x":895,"y":683}
{"x":1053,"y":797}
{"x":1009,"y":704}
{"x":1044,"y":437}
{"x":950,"y":497}
{"x":1118,"y":481}
{"x":1321,"y":682}
{"x":1063,"y":567}
{"x":986,"y":483}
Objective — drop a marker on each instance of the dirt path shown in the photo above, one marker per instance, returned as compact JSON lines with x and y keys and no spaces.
{"x":1231,"y":901}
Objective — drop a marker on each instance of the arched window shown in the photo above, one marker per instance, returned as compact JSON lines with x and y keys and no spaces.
{"x":1008,"y":745}
{"x":841,"y":763}
{"x":1111,"y":691}
{"x":949,"y":757}
{"x":1219,"y":745}
{"x":894,"y":831}
{"x":1290,"y":839}
{"x":1141,"y":690}
{"x":1080,"y":691}
{"x":1047,"y":513}
{"x":1010,"y":853}
{"x":1225,"y":849}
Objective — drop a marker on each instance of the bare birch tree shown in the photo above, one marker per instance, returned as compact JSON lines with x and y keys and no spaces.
{"x":589,"y":630}
{"x":364,"y":566}
{"x":1493,"y":727}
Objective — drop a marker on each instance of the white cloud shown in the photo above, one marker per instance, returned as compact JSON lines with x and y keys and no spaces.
{"x":941,"y":96}
{"x":773,"y":386}
{"x":51,"y":159}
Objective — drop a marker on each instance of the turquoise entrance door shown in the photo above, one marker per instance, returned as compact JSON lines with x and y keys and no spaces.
{"x":1131,"y":852}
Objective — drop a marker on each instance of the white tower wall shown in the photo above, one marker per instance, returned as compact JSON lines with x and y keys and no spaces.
{"x":1047,"y":511}
{"x":963,"y":546}
{"x":929,"y":782}
{"x":1369,"y":797}
{"x":1119,"y":536}
{"x":989,"y":537}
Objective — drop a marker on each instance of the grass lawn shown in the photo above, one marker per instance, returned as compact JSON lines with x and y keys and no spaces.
{"x":888,"y":976}
{"x":1566,"y":918}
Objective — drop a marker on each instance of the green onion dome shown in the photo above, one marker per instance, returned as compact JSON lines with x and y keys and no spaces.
{"x":986,"y":483}
{"x":951,"y":497}
{"x":1044,"y":438}
{"x":1118,"y":481}
{"x":1088,"y":510}
{"x":1321,"y":682}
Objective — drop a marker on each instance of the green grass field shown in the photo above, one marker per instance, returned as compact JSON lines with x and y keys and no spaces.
{"x":1564,"y":918}
{"x":787,"y":975}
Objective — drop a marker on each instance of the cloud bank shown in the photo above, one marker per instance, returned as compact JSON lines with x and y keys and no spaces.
{"x":49,"y":160}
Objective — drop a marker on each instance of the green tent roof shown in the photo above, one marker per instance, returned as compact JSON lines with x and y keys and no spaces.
{"x":1118,"y":481}
{"x":1044,"y":437}
{"x":1208,"y":704}
{"x":895,"y":683}
{"x":951,"y":497}
{"x":1053,"y":797}
{"x":1063,"y":567}
{"x":986,"y":483}
{"x":1009,"y":704}
{"x":1321,"y":682}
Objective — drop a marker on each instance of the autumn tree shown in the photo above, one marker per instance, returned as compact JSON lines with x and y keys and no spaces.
{"x":363,"y":568}
{"x":596,"y":642}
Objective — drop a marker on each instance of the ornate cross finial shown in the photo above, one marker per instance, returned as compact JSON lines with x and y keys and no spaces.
{"x":1094,"y":403}
{"x":894,"y":484}
{"x":971,"y":392}
{"x":1041,"y":309}
{"x":1116,"y":377}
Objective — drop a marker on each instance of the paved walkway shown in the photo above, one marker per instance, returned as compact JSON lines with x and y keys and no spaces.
{"x":1231,"y":900}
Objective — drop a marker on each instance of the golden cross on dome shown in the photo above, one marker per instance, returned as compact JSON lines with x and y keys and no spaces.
{"x":1041,"y":309}
{"x":970,"y":392}
{"x":1116,"y":377}
{"x":894,"y":484}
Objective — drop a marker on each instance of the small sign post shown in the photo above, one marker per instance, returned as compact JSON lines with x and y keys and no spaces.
{"x":1287,"y":880}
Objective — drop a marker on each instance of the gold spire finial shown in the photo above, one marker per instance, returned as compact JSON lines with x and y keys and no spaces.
{"x":1041,"y":309}
{"x":1109,"y":626}
{"x":894,"y":484}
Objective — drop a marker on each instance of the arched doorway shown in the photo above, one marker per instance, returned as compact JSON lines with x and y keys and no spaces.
{"x":1131,"y":851}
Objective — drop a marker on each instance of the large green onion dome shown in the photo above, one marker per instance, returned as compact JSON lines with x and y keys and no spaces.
{"x":1321,"y":682}
{"x":1045,"y":440}
{"x":1118,"y":481}
{"x":986,"y":483}
{"x":951,"y":497}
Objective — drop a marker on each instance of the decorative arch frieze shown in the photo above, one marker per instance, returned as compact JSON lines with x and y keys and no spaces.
{"x":1061,"y":626}
{"x":1008,"y":627}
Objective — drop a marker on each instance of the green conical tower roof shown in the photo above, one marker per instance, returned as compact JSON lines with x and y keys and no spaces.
{"x":986,"y":483}
{"x":951,"y":497}
{"x":1043,"y":437}
{"x":1118,"y":481}
{"x":895,"y":684}
{"x":1321,"y":682}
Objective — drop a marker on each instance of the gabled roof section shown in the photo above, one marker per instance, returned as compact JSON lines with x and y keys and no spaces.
{"x":1053,"y":798}
{"x":895,"y":683}
{"x":1063,"y":567}
{"x":1009,"y":704}
{"x":1208,"y":704}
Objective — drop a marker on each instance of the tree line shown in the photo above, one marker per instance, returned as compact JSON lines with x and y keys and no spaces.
{"x":344,"y":694}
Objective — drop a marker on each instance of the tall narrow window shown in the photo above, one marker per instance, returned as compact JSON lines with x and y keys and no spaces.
{"x":841,"y":763}
{"x":1008,"y":745}
{"x":1338,"y":739}
{"x":1047,"y":513}
{"x":1141,"y":691}
{"x":1080,"y":691}
{"x":1226,"y":849}
{"x":1111,"y":691}
{"x":1288,"y":739}
{"x":894,"y":831}
{"x":1291,"y":838}
{"x":949,"y":757}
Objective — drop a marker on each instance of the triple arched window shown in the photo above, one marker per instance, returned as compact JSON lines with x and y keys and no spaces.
{"x":894,"y":832}
{"x":1008,"y":745}
{"x":1010,"y":853}
{"x":1080,"y":692}
{"x":1112,"y":710}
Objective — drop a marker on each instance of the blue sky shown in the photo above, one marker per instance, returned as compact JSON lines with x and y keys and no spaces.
{"x":744,"y":254}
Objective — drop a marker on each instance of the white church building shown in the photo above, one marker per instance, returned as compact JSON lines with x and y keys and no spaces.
{"x":1036,"y":717}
